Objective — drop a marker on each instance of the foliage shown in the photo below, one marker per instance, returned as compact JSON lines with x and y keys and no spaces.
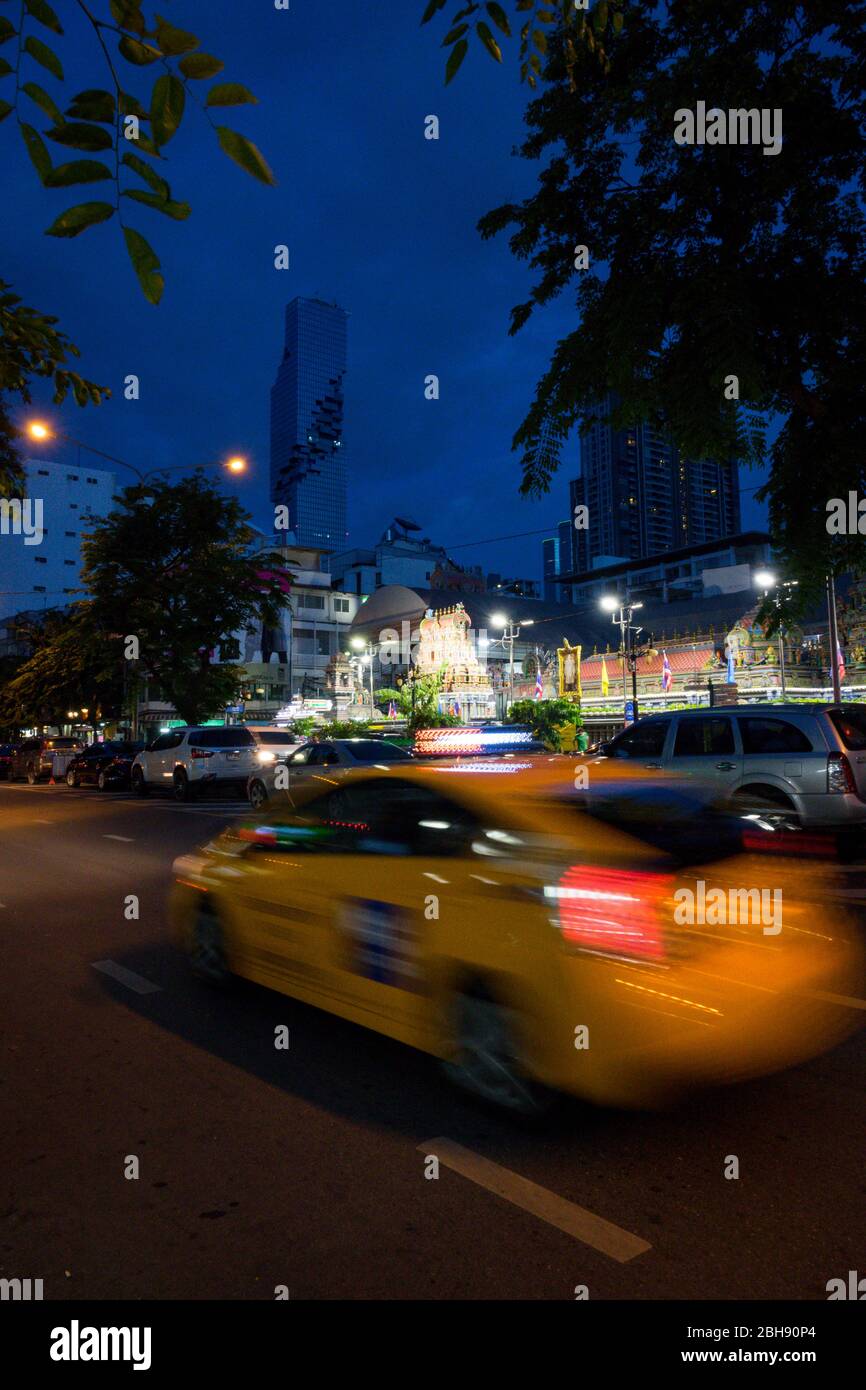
{"x":172,"y":566}
{"x":417,"y":700}
{"x":545,"y":718}
{"x":12,"y":480}
{"x":116,"y":135}
{"x":30,"y":345}
{"x":706,"y":261}
{"x":546,"y":19}
{"x":70,"y":668}
{"x":344,"y":728}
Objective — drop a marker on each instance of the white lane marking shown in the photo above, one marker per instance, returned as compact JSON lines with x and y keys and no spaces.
{"x":124,"y":839}
{"x":126,"y":977}
{"x":845,"y":999}
{"x":575,"y":1221}
{"x":435,"y":878}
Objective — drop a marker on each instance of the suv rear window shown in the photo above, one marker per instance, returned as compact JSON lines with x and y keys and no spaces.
{"x":222,"y":738}
{"x":772,"y":736}
{"x":850,"y":725}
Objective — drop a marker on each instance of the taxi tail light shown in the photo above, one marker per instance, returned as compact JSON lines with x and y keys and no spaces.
{"x":201,"y":752}
{"x":840,"y":777}
{"x":613,"y":911}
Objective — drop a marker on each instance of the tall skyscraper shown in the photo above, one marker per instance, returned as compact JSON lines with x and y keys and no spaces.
{"x":645,"y":498}
{"x":308,"y":457}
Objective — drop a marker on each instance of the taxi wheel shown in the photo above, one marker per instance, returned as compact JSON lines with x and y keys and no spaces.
{"x":486,"y":1059}
{"x":207,"y":953}
{"x":71,"y":779}
{"x":137,"y":782}
{"x":181,"y":788}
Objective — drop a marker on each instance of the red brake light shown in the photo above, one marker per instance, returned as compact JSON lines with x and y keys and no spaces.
{"x":840,"y":778}
{"x":615,"y":911}
{"x":201,"y":752}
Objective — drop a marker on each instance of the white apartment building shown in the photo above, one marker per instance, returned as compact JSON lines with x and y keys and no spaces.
{"x":40,"y":538}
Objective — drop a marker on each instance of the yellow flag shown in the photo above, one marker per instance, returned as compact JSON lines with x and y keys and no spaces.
{"x":605,"y":683}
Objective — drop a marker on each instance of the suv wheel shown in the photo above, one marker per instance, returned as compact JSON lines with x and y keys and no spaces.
{"x":71,"y":779}
{"x":258,"y":794}
{"x":101,"y":782}
{"x":32,"y":774}
{"x":486,"y":1057}
{"x":772,"y":806}
{"x":137,"y":781}
{"x":181,"y":786}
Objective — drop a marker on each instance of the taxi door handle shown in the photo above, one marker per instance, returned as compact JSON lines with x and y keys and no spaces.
{"x":726,"y":767}
{"x":652,"y":765}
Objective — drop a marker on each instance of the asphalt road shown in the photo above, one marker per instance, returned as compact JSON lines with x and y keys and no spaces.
{"x":306,"y":1167}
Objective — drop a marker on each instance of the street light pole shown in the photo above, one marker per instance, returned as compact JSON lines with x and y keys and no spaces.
{"x":770,"y":584}
{"x":834,"y":639}
{"x":621,"y":615}
{"x":40,"y":432}
{"x":510,"y":633}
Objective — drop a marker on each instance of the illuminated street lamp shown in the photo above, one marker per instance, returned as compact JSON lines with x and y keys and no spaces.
{"x":510,"y":632}
{"x":39,"y":431}
{"x":767,"y":581}
{"x":621,"y":614}
{"x":364,"y":658}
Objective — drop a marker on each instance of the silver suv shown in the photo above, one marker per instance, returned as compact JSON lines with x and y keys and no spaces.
{"x":186,"y":760}
{"x":803,"y":764}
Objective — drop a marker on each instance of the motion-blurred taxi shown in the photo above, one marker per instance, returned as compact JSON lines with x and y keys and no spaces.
{"x":476,"y":913}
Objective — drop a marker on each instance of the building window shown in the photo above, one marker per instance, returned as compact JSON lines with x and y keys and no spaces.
{"x":312,"y":601}
{"x":72,"y":477}
{"x":69,"y":533}
{"x":43,"y":472}
{"x":341,"y":605}
{"x":40,"y":559}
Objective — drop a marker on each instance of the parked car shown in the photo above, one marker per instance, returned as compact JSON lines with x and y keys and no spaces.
{"x":802,"y":765}
{"x":187,"y":760}
{"x":337,"y":755}
{"x":37,"y":758}
{"x":103,"y":765}
{"x":6,"y":753}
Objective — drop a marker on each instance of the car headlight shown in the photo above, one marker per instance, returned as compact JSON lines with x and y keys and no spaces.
{"x":265,"y":757}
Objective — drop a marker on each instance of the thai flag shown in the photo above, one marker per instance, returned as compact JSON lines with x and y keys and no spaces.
{"x":840,"y":663}
{"x":539,"y":684}
{"x":667,"y":674}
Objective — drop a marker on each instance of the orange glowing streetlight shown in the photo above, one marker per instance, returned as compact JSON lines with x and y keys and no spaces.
{"x":40,"y":431}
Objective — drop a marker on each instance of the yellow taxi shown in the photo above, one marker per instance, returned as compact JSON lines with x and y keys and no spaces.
{"x":472,"y":911}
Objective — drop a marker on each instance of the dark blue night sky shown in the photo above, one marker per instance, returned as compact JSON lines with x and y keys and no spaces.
{"x":375,"y":216}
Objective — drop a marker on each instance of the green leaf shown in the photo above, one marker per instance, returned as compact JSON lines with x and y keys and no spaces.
{"x":145,"y":264}
{"x":77,"y":171}
{"x":166,"y":107}
{"x":93,"y":105}
{"x":5,"y":108}
{"x":126,"y":13}
{"x":131,"y":106}
{"x":149,"y":174}
{"x":7,"y":30}
{"x":433,"y":8}
{"x":179,"y":211}
{"x":44,"y":55}
{"x":173,"y":41}
{"x":78,"y":219}
{"x":455,"y":58}
{"x":145,"y":143}
{"x":486,"y":37}
{"x":230,"y":94}
{"x":499,"y":17}
{"x":454,"y":34}
{"x":44,"y":13}
{"x":81,"y":137}
{"x":245,"y":153}
{"x":37,"y":151}
{"x":138,"y":53}
{"x":44,"y":101}
{"x":617,"y":23}
{"x":539,"y":38}
{"x":599,"y":18}
{"x":198,"y":65}
{"x":5,"y":67}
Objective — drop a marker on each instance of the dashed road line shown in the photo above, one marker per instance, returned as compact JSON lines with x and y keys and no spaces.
{"x":124,"y":839}
{"x":575,"y":1221}
{"x":137,"y":983}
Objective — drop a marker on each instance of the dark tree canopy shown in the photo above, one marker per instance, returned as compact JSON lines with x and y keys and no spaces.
{"x":707,"y":261}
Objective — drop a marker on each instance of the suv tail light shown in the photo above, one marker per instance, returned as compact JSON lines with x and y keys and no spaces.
{"x":201,"y":752}
{"x":840,"y":778}
{"x":612,"y":911}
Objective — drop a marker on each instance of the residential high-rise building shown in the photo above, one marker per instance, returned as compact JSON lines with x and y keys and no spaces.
{"x":41,"y":533}
{"x":645,"y":498}
{"x":308,"y":456}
